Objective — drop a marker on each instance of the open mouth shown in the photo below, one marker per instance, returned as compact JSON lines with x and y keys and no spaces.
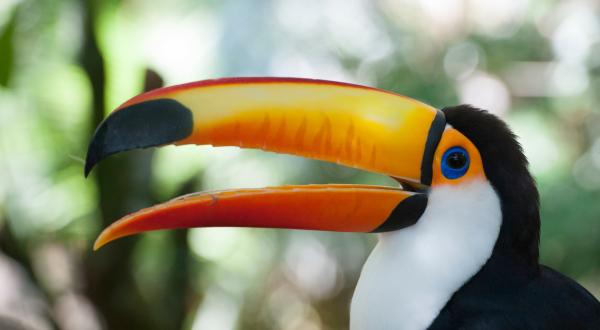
{"x":351,"y":125}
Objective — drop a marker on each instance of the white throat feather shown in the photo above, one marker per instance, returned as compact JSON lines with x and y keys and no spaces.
{"x":412,"y":273}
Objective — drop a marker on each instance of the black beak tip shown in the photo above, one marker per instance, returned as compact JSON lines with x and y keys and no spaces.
{"x":141,"y":125}
{"x":87,"y":168}
{"x":91,"y":160}
{"x":101,"y":146}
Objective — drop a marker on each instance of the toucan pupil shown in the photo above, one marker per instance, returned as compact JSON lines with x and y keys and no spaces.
{"x":455,"y":163}
{"x":456,"y":160}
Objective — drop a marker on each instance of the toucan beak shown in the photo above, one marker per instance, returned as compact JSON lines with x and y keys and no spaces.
{"x":352,"y":125}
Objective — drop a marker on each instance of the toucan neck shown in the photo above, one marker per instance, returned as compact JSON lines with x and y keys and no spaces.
{"x":518,"y":241}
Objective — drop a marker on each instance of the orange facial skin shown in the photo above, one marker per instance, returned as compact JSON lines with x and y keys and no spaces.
{"x":453,"y":138}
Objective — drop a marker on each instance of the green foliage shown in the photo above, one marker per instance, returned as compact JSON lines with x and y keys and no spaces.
{"x":64,"y":64}
{"x":7,"y":51}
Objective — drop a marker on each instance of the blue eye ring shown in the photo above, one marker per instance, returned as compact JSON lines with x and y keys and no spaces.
{"x":455,"y":163}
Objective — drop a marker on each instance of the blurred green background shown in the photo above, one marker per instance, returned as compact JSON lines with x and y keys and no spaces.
{"x":64,"y":64}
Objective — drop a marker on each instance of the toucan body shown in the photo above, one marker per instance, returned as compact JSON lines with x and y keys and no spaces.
{"x":458,"y":241}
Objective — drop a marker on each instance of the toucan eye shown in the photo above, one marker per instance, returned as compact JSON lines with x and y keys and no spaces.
{"x":455,"y":163}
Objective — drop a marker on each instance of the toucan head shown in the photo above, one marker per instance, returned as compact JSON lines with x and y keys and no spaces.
{"x":421,"y":147}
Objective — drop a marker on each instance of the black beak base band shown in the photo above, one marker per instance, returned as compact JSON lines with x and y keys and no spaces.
{"x":433,"y":139}
{"x":406,"y":214}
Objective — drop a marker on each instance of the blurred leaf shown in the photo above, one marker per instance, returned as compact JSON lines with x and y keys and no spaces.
{"x":7,"y":50}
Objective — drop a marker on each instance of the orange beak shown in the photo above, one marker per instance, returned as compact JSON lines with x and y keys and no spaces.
{"x":352,"y":125}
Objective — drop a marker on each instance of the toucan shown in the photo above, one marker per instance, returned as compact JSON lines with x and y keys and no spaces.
{"x":458,"y":239}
